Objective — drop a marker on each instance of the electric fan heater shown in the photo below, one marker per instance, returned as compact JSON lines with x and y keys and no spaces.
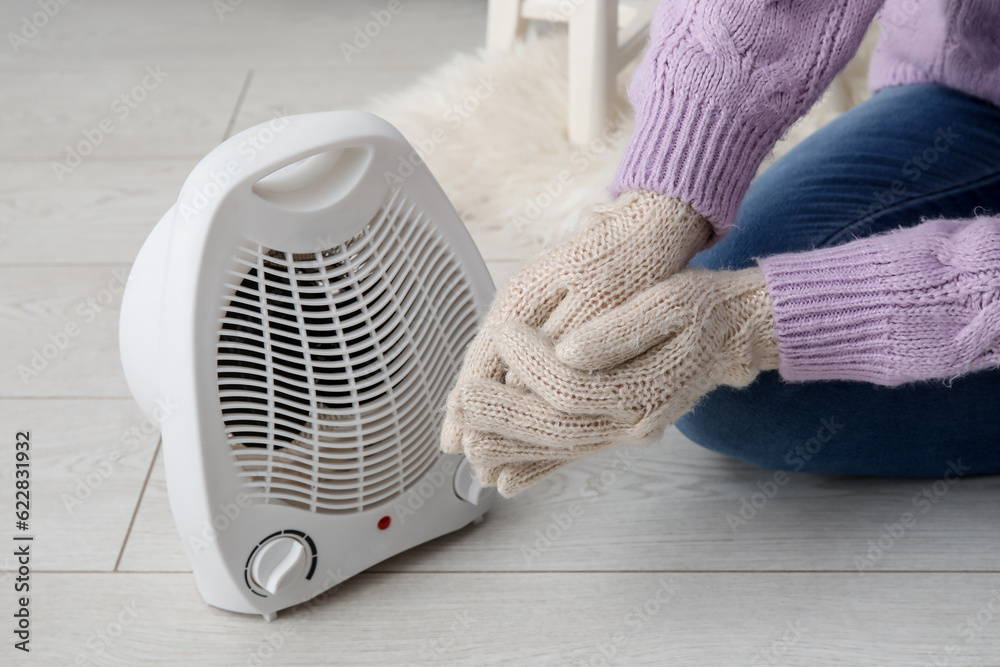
{"x":294,"y":323}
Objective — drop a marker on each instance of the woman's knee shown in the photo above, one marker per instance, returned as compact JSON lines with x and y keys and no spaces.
{"x":749,"y":424}
{"x":855,"y":176}
{"x":854,"y":428}
{"x":799,"y":202}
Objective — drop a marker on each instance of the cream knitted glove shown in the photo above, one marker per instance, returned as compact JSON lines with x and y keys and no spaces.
{"x":622,"y":248}
{"x":620,"y":378}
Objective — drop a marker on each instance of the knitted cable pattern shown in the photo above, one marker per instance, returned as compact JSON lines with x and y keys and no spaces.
{"x":915,"y":304}
{"x":624,"y":247}
{"x":719,"y":84}
{"x":619,"y":378}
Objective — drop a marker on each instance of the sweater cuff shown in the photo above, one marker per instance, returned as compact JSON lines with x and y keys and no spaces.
{"x":713,"y":167}
{"x":916,"y":304}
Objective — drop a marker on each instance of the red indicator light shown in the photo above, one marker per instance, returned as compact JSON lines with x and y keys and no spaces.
{"x":384,"y":522}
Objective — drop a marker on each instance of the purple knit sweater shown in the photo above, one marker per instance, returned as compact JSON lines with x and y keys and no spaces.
{"x":719,"y":84}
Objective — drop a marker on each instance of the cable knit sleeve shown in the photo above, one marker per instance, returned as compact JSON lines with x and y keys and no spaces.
{"x":915,"y":304}
{"x":720,"y":82}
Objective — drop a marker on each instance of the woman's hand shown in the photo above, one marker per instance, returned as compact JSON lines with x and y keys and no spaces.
{"x":623,"y":248}
{"x":619,"y":378}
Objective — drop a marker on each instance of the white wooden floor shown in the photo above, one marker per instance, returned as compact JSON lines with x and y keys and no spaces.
{"x":649,"y":572}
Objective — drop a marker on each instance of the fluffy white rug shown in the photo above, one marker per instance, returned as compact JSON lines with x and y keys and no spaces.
{"x":492,"y":129}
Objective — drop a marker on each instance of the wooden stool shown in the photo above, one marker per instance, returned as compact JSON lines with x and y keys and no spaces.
{"x":603,"y":37}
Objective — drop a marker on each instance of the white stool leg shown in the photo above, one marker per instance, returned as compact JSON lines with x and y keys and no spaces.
{"x":504,"y":24}
{"x":593,"y":49}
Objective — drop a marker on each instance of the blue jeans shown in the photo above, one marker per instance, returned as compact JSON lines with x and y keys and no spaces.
{"x":911,"y":152}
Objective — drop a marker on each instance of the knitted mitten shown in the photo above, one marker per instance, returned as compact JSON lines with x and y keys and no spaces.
{"x":619,"y":378}
{"x":640,"y":239}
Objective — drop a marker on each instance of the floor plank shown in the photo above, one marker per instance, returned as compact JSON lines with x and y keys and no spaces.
{"x":274,"y":91}
{"x":72,"y":117}
{"x":89,"y":460}
{"x":710,"y":619}
{"x":154,"y":544}
{"x":291,"y":33}
{"x":101,"y":215}
{"x":669,"y":507}
{"x":61,"y":331}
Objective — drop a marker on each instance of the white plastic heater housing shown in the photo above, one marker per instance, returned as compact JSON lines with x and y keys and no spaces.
{"x":294,"y":321}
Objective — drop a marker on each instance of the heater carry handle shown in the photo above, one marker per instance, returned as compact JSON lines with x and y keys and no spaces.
{"x":310,"y":171}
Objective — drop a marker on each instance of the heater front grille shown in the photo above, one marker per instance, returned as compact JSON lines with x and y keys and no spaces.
{"x":333,"y":366}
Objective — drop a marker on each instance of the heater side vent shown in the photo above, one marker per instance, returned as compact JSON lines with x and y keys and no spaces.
{"x":333,"y":366}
